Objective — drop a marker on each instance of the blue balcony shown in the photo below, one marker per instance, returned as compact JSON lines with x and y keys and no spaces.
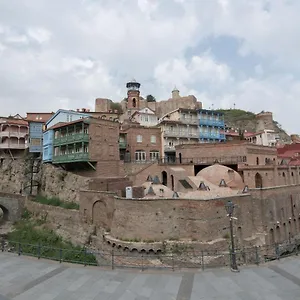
{"x":208,"y":122}
{"x":212,"y":136}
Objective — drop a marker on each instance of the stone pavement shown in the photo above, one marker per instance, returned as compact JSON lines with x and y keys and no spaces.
{"x":24,"y":278}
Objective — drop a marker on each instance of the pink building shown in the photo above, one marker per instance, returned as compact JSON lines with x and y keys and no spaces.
{"x":13,"y":134}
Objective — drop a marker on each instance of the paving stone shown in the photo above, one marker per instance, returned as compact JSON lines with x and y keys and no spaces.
{"x":23,"y":278}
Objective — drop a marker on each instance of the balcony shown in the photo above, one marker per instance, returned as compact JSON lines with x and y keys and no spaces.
{"x":189,"y":121}
{"x":208,"y":122}
{"x":70,"y":139}
{"x":122,"y":145}
{"x":212,"y":136}
{"x":13,"y":146}
{"x":16,"y":134}
{"x":181,"y":134}
{"x":169,"y":148}
{"x":229,"y":160}
{"x":72,"y":157}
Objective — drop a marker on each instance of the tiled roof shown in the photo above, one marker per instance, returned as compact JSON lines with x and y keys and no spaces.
{"x":13,"y":121}
{"x":62,"y":124}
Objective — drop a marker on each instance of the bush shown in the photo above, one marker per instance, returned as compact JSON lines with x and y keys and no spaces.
{"x":54,"y":201}
{"x":43,"y":242}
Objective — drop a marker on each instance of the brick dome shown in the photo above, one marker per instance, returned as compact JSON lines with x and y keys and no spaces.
{"x":216,"y":173}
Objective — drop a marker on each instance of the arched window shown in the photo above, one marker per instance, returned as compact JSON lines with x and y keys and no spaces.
{"x":172,"y":182}
{"x":257,"y":160}
{"x":258,"y":181}
{"x":272,"y":237}
{"x":278,"y":234}
{"x":133,"y":102}
{"x":164,"y":176}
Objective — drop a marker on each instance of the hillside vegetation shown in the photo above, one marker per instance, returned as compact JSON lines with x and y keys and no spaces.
{"x":246,"y":120}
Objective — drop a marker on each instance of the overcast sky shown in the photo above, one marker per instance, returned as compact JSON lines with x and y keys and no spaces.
{"x":63,"y":54}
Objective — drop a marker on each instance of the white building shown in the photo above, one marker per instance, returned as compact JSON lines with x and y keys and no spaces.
{"x":266,"y":137}
{"x":146,"y":117}
{"x":179,"y":127}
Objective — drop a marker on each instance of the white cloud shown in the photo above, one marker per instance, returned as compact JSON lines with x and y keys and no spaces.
{"x":41,"y":35}
{"x":91,"y":48}
{"x":199,"y":69}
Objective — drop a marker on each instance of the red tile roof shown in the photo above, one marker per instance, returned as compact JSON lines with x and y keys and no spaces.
{"x":11,"y":121}
{"x":62,"y":124}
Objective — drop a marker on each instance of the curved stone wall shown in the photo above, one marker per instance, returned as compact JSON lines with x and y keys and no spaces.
{"x":177,"y":219}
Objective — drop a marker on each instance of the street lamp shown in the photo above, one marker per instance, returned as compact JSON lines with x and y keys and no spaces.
{"x":229,"y":206}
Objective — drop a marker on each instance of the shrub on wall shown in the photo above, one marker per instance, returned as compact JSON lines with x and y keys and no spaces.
{"x":53,"y":201}
{"x":30,"y":238}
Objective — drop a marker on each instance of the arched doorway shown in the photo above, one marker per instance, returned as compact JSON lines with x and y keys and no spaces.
{"x":258,"y":181}
{"x":272,"y":237}
{"x":278,"y":235}
{"x":99,"y":214}
{"x":3,"y":214}
{"x":172,"y":182}
{"x":180,"y":158}
{"x":164,"y":176}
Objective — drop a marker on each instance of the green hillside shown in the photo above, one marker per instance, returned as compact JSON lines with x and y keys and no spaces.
{"x":246,"y":120}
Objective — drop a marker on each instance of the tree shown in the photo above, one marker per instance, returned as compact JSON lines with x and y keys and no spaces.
{"x":150,"y":98}
{"x":241,"y":134}
{"x":116,"y":106}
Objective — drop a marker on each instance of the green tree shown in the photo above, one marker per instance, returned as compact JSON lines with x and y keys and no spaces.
{"x":241,"y":134}
{"x":116,"y":106}
{"x":150,"y":98}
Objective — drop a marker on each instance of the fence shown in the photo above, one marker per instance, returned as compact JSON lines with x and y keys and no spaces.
{"x":143,"y":261}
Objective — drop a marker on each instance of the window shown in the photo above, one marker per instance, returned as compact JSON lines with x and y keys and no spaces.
{"x":140,"y":155}
{"x":154,"y":155}
{"x":153,"y":139}
{"x":139,"y":139}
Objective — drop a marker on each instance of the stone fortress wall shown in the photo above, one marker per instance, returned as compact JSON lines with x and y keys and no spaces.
{"x":264,"y":216}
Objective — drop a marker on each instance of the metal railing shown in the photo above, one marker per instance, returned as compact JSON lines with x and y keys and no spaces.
{"x":122,"y":145}
{"x":207,"y":122}
{"x":183,"y":134}
{"x":72,"y":138}
{"x":72,"y":157}
{"x":211,"y":135}
{"x":13,"y":146}
{"x":16,"y":134}
{"x":203,"y":160}
{"x":178,"y":259}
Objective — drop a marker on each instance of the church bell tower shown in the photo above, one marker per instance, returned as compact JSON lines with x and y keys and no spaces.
{"x":133,"y":95}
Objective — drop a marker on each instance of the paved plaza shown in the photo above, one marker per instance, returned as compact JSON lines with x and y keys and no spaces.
{"x":24,"y":278}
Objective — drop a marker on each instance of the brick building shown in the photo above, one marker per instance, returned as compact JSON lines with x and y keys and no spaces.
{"x":140,"y":144}
{"x":89,"y":145}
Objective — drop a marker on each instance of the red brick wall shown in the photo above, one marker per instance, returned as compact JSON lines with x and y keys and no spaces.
{"x":229,"y":149}
{"x":279,"y":211}
{"x":205,"y":220}
{"x":146,"y":144}
{"x":104,"y":147}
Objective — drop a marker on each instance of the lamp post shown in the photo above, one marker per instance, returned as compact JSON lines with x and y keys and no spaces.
{"x":229,"y":206}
